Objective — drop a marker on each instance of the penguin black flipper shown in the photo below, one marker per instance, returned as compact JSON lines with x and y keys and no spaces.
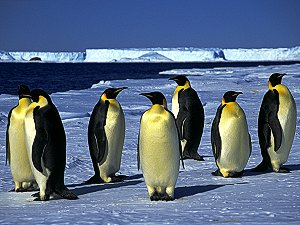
{"x":190,"y":126}
{"x":96,"y":130}
{"x":180,"y":147}
{"x":40,"y":140}
{"x":7,"y":137}
{"x":268,"y":122}
{"x":215,"y":133}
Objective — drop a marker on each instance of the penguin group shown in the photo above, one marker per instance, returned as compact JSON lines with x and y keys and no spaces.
{"x":36,"y":140}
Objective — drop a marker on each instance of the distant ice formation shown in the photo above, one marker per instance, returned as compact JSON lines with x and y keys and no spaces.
{"x":159,"y":55}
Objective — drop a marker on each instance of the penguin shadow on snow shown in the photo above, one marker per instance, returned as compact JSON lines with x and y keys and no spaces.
{"x":181,"y":192}
{"x":250,"y":172}
{"x":100,"y":187}
{"x":123,"y":177}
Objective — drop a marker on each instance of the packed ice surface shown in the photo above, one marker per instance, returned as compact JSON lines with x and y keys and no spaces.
{"x":200,"y":198}
{"x":159,"y":55}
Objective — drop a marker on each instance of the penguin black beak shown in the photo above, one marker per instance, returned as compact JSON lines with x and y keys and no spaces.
{"x":237,"y":93}
{"x":118,"y":90}
{"x":148,"y":95}
{"x":282,"y":74}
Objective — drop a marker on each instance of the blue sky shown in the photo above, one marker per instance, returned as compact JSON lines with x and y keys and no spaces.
{"x":73,"y":25}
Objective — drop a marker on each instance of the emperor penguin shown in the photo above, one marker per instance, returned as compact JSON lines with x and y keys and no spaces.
{"x":106,"y":133}
{"x":276,"y":125}
{"x":159,"y":149}
{"x":16,"y":153}
{"x":230,"y":138}
{"x":46,"y":146}
{"x":189,"y":113}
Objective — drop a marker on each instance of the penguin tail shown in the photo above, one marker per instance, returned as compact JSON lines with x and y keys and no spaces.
{"x":66,"y":193}
{"x":263,"y":166}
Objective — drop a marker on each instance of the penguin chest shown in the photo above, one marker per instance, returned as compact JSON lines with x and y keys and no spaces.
{"x":235,"y":150}
{"x":287,"y":118}
{"x":115,"y":134}
{"x":19,"y":161}
{"x":159,"y":149}
{"x":175,"y":103}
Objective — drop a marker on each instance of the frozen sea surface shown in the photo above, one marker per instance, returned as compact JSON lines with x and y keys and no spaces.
{"x":200,"y":198}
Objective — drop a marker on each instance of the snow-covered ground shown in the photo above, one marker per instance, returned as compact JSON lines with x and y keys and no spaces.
{"x":158,"y":55}
{"x":200,"y":198}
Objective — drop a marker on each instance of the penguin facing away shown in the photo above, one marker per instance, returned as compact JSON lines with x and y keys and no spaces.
{"x":276,"y":125}
{"x":46,"y":146}
{"x":230,"y":138}
{"x":106,"y":133}
{"x":159,"y":149}
{"x":189,"y":112}
{"x":16,"y":153}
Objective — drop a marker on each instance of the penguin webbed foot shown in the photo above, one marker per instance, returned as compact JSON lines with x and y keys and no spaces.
{"x":235,"y":174}
{"x":217,"y":173}
{"x":116,"y":179}
{"x":38,"y":198}
{"x":161,"y":197}
{"x":196,"y":157}
{"x":94,"y":180}
{"x":37,"y":195}
{"x":284,"y":170}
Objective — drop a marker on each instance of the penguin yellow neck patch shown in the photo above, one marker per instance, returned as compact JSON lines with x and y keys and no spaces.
{"x":42,"y":101}
{"x":103,"y":97}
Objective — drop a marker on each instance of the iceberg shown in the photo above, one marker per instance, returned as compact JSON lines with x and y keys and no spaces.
{"x":49,"y":56}
{"x":183,"y":54}
{"x":154,"y":55}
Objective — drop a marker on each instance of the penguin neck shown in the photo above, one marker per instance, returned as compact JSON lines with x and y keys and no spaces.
{"x":281,"y":88}
{"x":24,"y":102}
{"x":157,"y":108}
{"x":182,"y":87}
{"x":42,"y":101}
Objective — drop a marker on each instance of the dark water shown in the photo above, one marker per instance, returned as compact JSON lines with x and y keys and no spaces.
{"x":54,"y":77}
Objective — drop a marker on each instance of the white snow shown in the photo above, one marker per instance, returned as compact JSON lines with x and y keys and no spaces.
{"x":201,"y":198}
{"x":159,"y":55}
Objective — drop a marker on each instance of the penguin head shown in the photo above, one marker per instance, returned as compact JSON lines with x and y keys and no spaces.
{"x":230,"y":96}
{"x":181,"y":80}
{"x":156,"y":97}
{"x":39,"y":95}
{"x":275,"y":79}
{"x":23,"y":91}
{"x":112,"y":93}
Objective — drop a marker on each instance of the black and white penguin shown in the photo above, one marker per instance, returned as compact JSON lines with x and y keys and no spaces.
{"x":46,"y":146}
{"x":276,"y":125}
{"x":16,"y":153}
{"x":106,"y":133}
{"x":230,"y":138}
{"x":159,"y":149}
{"x":188,"y":109}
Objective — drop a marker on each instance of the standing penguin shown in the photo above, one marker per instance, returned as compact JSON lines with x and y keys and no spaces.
{"x":16,"y":152}
{"x":189,"y":112}
{"x":106,"y":133}
{"x":230,"y":138}
{"x":159,"y":149}
{"x":276,"y":125}
{"x":46,"y":146}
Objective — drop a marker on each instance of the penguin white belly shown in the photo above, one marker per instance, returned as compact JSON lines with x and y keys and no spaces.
{"x":235,"y":149}
{"x":159,"y":154}
{"x":115,"y":134}
{"x":287,"y":116}
{"x":30,"y":134}
{"x":175,"y":104}
{"x":19,"y":161}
